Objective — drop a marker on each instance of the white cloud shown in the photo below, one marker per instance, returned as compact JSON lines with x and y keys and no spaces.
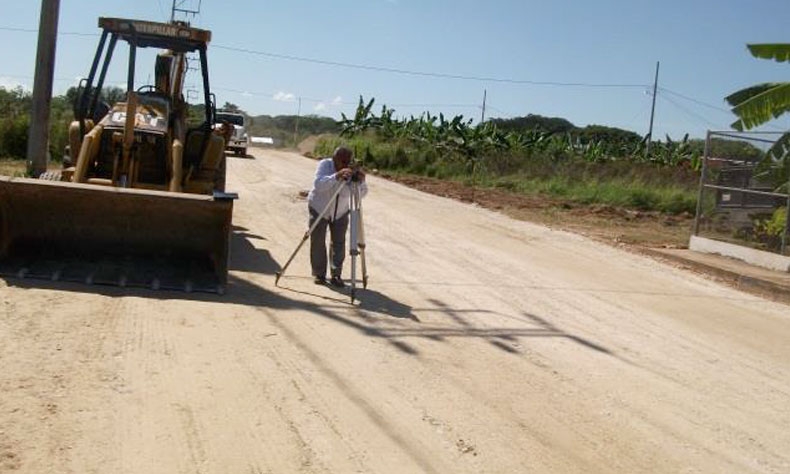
{"x":319,"y":107}
{"x":12,"y":83}
{"x":337,"y":100}
{"x":284,"y":97}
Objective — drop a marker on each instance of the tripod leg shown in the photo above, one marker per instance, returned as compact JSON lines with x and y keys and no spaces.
{"x":279,"y":274}
{"x":364,"y":266}
{"x":353,"y":277}
{"x":309,"y":231}
{"x":353,"y":245}
{"x":361,"y":237}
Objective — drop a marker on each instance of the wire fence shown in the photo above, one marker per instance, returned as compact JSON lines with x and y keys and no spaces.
{"x":744,"y":191}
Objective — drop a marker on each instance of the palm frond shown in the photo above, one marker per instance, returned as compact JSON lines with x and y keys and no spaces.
{"x":737,"y":97}
{"x":762,"y":107}
{"x":775,"y":51}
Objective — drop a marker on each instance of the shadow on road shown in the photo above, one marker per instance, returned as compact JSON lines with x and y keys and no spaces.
{"x":246,"y":156}
{"x":374,"y":314}
{"x":398,"y":329}
{"x":376,"y":302}
{"x":245,"y":257}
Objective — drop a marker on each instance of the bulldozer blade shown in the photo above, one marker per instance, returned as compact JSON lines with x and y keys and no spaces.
{"x":101,"y":235}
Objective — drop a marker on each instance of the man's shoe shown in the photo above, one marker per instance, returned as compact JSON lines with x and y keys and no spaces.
{"x":337,"y":281}
{"x":319,"y":281}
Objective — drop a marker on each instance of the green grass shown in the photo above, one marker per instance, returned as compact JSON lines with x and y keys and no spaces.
{"x":640,"y":186}
{"x":18,"y":167}
{"x":13,"y":167}
{"x":613,"y":192}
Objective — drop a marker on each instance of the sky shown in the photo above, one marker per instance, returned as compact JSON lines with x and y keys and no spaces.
{"x":502,"y":47}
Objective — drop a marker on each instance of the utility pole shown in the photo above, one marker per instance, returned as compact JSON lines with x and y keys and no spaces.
{"x":483,"y":115}
{"x":652,"y":113}
{"x":38,"y":134}
{"x":296,"y":125}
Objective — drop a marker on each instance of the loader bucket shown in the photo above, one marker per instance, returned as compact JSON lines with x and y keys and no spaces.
{"x":117,"y":236}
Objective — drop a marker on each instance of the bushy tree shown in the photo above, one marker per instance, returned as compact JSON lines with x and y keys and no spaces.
{"x":534,"y":122}
{"x":231,"y":107}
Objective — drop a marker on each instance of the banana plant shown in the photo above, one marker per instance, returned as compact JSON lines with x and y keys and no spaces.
{"x":762,"y":103}
{"x":362,"y":119}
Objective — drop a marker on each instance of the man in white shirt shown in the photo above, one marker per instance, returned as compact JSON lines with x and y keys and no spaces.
{"x":331,"y":173}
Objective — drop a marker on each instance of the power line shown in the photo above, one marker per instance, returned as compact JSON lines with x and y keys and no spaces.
{"x":419,"y":73}
{"x":699,"y":117}
{"x":412,"y":73}
{"x":271,"y":96}
{"x":639,"y":114}
{"x":720,"y":109}
{"x":690,"y":113}
{"x":34,"y":30}
{"x":392,"y":70}
{"x":463,"y":106}
{"x":698,"y":102}
{"x":506,"y":113}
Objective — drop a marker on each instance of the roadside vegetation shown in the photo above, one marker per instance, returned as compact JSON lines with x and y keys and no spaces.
{"x":15,"y":120}
{"x":287,"y":131}
{"x":532,"y":155}
{"x":754,"y":106}
{"x":281,"y":128}
{"x":529,"y":155}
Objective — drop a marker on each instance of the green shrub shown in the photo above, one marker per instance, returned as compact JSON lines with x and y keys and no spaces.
{"x":643,"y":199}
{"x":678,"y":203}
{"x":642,"y":186}
{"x":13,"y":136}
{"x":769,"y":231}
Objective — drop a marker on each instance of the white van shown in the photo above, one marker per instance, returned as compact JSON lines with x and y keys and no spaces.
{"x":239,"y":139}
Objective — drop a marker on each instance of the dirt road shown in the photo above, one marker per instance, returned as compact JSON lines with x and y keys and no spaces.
{"x":484,"y":344}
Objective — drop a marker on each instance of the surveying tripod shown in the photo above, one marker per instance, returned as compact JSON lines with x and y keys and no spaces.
{"x":357,"y":233}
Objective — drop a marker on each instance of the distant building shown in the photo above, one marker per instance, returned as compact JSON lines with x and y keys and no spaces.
{"x":263,"y":141}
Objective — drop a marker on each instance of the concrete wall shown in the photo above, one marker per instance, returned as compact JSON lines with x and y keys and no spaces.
{"x":756,"y":257}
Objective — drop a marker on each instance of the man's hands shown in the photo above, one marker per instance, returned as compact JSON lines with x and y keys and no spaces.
{"x":345,"y":174}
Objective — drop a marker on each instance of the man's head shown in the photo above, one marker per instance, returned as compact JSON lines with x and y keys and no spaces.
{"x":342,"y":157}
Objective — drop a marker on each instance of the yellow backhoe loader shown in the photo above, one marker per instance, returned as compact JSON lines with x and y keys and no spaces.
{"x":143,"y":202}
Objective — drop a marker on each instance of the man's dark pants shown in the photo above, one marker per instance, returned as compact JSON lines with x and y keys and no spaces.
{"x":337,"y":231}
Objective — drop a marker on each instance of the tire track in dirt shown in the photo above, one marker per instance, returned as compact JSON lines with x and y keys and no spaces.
{"x":483,"y":345}
{"x":464,"y":264}
{"x":44,"y":366}
{"x":362,"y":405}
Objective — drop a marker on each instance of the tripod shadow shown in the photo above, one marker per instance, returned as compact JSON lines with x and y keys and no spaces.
{"x":366,"y":300}
{"x":342,"y":300}
{"x":375,"y":302}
